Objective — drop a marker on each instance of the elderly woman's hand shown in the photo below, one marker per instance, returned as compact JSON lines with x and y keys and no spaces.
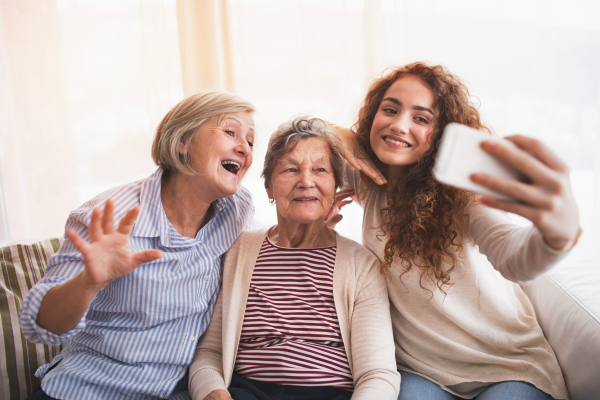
{"x":362,"y":164}
{"x":547,"y":201}
{"x":107,"y":257}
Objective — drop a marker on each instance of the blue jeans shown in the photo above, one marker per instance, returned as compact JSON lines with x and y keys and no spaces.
{"x":415,"y":387}
{"x":249,"y":389}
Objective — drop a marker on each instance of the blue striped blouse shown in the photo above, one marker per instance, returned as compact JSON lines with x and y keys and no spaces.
{"x":139,"y":334}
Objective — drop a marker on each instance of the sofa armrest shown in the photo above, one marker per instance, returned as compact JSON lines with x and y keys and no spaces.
{"x":567,"y":305}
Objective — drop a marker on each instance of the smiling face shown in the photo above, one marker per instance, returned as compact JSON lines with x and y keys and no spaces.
{"x":403,"y":124}
{"x":303,"y":183}
{"x":221,"y":153}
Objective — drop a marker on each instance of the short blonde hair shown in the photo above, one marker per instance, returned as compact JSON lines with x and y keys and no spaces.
{"x":183,"y":122}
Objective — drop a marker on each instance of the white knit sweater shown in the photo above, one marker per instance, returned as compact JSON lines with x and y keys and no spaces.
{"x":485,"y":330}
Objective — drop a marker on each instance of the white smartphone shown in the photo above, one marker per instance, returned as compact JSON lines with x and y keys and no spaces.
{"x":461,"y":155}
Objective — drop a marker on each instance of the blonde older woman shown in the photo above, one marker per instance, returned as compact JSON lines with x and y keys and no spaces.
{"x":129,"y":331}
{"x":303,"y":312}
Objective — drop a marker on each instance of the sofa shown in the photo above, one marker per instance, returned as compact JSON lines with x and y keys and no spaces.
{"x":566,"y":301}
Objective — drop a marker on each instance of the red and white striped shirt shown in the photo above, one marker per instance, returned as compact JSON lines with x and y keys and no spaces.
{"x":291,"y":334}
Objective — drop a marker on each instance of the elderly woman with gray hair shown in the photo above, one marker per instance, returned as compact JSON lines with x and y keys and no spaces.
{"x":129,"y":305}
{"x":303,"y":312}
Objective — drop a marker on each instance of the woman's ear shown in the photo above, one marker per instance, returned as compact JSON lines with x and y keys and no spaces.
{"x":269,"y":189}
{"x":182,"y":147}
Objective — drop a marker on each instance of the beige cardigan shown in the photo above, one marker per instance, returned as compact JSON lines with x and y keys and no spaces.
{"x":362,"y":307}
{"x":485,"y":330}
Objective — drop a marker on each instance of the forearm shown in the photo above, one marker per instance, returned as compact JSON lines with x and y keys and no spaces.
{"x":63,"y":306}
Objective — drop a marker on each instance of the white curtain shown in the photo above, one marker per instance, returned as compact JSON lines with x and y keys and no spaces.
{"x":534,"y":65}
{"x":83,"y":86}
{"x":205,"y":45}
{"x":35,"y":130}
{"x":84,"y":83}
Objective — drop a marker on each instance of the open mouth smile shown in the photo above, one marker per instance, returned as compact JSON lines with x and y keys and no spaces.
{"x":231,"y":166}
{"x":306,"y":199}
{"x":397,"y":142}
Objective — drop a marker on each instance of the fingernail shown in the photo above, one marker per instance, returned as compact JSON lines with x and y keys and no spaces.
{"x":480,"y":178}
{"x":484,"y":200}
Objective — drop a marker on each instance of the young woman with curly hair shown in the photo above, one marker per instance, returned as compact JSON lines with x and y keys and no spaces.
{"x":463,"y":328}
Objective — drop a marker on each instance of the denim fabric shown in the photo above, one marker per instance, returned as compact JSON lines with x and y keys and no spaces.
{"x":415,"y":387}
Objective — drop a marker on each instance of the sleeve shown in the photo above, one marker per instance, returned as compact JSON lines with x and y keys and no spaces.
{"x":519,"y":253}
{"x":62,"y":267}
{"x":353,"y":181}
{"x":206,"y":371}
{"x":372,"y":343}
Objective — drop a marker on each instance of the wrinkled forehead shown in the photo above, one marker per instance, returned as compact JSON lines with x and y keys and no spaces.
{"x":242,"y":119}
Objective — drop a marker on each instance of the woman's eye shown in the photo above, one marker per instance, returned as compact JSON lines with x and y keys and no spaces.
{"x":390,"y":111}
{"x":251,"y":144}
{"x":421,"y":119}
{"x":230,"y":133}
{"x":321,"y":170}
{"x":290,"y":170}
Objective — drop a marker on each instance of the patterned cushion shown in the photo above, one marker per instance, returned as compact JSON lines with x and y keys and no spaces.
{"x":22,"y":266}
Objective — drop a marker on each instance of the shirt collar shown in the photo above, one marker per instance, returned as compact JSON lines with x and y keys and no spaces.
{"x":152,"y":212}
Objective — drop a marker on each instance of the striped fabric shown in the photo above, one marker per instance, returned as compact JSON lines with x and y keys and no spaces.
{"x":139,"y":334}
{"x":22,"y":267}
{"x":291,"y":334}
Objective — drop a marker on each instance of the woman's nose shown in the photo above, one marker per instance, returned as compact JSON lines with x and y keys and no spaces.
{"x":306,"y":179}
{"x":244,"y":148}
{"x":401,"y":123}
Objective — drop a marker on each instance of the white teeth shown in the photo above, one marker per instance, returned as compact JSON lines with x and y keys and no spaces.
{"x":389,"y":139}
{"x":231,"y":166}
{"x":306,"y":199}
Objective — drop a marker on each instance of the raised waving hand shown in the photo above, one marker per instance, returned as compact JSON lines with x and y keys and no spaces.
{"x":107,"y":256}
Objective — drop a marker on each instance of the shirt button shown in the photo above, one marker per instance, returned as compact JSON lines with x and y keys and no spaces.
{"x":205,"y":277}
{"x":200,"y":248}
{"x":179,"y":369}
{"x":192,"y":338}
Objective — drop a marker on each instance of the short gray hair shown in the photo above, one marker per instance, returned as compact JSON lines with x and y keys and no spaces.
{"x":183,"y":122}
{"x":285,"y":139}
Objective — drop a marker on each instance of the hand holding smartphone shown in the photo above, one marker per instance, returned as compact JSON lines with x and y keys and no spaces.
{"x":460,"y":155}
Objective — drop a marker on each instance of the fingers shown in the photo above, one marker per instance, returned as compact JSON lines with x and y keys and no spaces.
{"x":349,"y":156}
{"x":540,"y":151}
{"x":128,"y":220}
{"x":343,"y":203}
{"x":146,"y":256}
{"x":108,"y":224}
{"x":520,"y":191}
{"x":531,"y":213}
{"x":95,"y":229}
{"x":522,"y":161}
{"x":344,"y":193}
{"x":80,"y":244}
{"x":370,"y":170}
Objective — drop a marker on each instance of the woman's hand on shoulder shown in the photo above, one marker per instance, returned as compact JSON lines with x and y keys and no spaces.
{"x":362,"y":164}
{"x":547,"y":201}
{"x":219,"y":394}
{"x":107,"y":256}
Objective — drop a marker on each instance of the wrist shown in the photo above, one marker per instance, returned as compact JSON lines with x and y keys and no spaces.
{"x":562,"y":245}
{"x":83,"y":283}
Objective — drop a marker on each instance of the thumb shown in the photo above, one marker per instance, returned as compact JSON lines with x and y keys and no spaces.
{"x":146,"y":256}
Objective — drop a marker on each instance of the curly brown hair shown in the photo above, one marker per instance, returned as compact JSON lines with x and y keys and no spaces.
{"x":422,"y":217}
